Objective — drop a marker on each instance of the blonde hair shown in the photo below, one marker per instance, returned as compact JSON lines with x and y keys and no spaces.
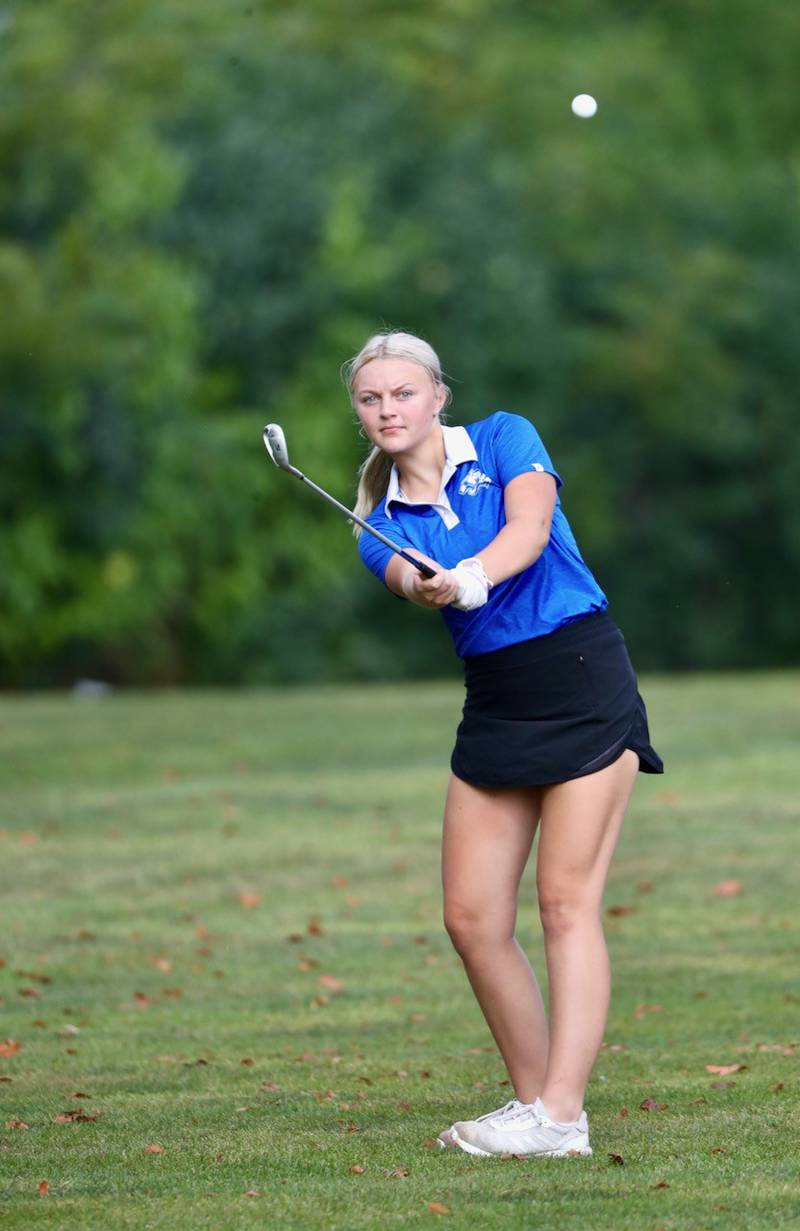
{"x":374,"y":471}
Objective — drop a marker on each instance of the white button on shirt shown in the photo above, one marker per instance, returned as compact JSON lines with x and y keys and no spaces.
{"x":458,"y":448}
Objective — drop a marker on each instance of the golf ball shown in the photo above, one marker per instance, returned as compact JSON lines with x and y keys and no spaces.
{"x":584,"y":105}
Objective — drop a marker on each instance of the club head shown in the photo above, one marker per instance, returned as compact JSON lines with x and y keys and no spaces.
{"x":275,"y":444}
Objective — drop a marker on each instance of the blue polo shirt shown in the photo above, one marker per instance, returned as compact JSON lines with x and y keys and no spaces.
{"x":469,"y":512}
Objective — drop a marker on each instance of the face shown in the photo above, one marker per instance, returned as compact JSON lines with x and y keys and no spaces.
{"x":397,"y":403}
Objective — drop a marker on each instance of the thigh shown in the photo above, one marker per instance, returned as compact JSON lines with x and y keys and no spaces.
{"x":487,"y":837}
{"x":580,"y":824}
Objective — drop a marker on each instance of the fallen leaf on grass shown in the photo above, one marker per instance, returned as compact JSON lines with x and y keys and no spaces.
{"x":718,"y":1150}
{"x":251,"y":1192}
{"x":618,"y":911}
{"x":356,"y":1169}
{"x":398,"y":1173}
{"x":331,"y":982}
{"x":250,"y":900}
{"x":623,"y":1111}
{"x":774,"y":1089}
{"x":618,"y":1159}
{"x":662,"y":1184}
{"x":314,"y":926}
{"x":651,"y":1105}
{"x":75,"y":1115}
{"x":642,"y":1010}
{"x":699,"y":1100}
{"x":270,"y":1085}
{"x":43,"y":1188}
{"x":16,"y":1124}
{"x":9,"y":1048}
{"x":33,"y":975}
{"x":154,"y":1149}
{"x":80,"y":1094}
{"x":724,"y":1069}
{"x":162,"y":963}
{"x":728,"y":888}
{"x":436,"y":1207}
{"x":722,"y":1085}
{"x":307,"y":963}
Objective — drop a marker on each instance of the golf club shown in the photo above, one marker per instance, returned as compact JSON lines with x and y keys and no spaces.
{"x":275,"y":444}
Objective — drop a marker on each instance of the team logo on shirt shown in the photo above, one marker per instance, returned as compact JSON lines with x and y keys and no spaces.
{"x":473,"y":481}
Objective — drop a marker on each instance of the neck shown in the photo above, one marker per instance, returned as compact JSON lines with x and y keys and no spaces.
{"x":421,"y":469}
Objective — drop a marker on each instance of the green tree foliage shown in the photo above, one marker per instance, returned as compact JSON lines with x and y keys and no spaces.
{"x":205,"y":209}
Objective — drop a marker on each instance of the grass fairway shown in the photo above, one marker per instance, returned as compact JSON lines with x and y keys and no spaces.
{"x":222,"y":937}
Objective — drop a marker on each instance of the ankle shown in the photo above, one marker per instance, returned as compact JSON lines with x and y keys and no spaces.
{"x":563,"y":1111}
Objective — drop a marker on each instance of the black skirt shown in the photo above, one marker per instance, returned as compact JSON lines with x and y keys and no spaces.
{"x":553,"y":708}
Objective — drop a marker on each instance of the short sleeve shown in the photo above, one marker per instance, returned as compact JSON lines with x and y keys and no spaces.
{"x":518,"y":448}
{"x":375,"y":554}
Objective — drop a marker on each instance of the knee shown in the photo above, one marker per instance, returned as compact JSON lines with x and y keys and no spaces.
{"x":562,"y":915}
{"x":471,"y":930}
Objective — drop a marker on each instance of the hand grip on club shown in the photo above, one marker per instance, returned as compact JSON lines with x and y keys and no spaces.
{"x":425,"y":569}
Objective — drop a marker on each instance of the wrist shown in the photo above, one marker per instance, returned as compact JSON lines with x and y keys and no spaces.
{"x":473,"y":584}
{"x":474,"y":565}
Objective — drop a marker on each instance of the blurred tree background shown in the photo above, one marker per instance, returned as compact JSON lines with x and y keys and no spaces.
{"x":206,"y":208}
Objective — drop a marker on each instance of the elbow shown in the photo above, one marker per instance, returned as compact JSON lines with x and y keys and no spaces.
{"x":540,"y":541}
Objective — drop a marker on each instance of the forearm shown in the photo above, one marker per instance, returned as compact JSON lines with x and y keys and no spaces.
{"x":514,"y":549}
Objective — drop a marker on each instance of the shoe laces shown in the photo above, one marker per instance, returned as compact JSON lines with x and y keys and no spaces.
{"x":513,"y":1110}
{"x":501,"y":1112}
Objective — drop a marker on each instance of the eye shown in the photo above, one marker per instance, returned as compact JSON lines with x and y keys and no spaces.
{"x":368,"y":397}
{"x":405,"y":393}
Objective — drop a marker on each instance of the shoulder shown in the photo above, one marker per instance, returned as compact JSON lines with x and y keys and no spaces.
{"x":499,"y":425}
{"x":496,"y":420}
{"x":376,"y":518}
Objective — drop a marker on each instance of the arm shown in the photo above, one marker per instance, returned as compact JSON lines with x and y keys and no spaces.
{"x":530,"y":500}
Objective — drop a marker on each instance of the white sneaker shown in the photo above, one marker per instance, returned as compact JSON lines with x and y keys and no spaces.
{"x":446,"y":1138}
{"x":522,"y":1128}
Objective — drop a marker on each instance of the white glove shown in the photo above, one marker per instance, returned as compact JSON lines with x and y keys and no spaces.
{"x":473,"y":584}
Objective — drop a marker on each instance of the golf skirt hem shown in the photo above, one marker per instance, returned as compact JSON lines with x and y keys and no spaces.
{"x":552,"y":708}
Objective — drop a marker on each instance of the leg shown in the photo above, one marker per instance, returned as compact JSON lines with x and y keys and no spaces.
{"x":486,"y":842}
{"x":580,"y":824}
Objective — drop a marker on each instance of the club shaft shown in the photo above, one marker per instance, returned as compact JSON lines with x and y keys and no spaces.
{"x":425,"y":569}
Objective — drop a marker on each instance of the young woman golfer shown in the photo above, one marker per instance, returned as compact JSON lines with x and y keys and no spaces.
{"x":553,"y":731}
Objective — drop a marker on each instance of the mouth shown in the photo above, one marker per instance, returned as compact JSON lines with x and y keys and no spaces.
{"x":384,"y":430}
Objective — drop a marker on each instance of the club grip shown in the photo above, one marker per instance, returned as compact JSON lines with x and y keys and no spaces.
{"x":425,"y":569}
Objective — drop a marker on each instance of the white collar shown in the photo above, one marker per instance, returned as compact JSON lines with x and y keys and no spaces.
{"x":458,"y":448}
